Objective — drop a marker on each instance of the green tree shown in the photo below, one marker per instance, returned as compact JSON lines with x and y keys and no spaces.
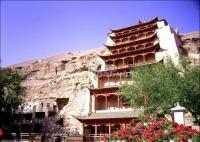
{"x":11,"y":93}
{"x":158,"y":87}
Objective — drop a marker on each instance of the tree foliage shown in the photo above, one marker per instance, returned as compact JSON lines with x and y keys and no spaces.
{"x":11,"y":91}
{"x":158,"y":87}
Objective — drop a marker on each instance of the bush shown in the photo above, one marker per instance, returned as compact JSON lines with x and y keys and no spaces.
{"x":151,"y":129}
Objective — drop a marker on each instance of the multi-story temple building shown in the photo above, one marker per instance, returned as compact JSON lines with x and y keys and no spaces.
{"x":145,"y":43}
{"x":104,"y":108}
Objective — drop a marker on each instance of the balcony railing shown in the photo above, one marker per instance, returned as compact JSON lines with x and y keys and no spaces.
{"x":112,"y":67}
{"x":131,"y":40}
{"x":115,"y":84}
{"x":93,"y":137}
{"x":40,"y":109}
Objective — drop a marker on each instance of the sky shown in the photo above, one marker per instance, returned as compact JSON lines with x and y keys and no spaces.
{"x":38,"y":29}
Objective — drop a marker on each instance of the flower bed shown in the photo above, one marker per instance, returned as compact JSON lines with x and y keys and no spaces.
{"x":154,"y":130}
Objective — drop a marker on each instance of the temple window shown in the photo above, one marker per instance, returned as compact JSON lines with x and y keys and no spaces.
{"x":122,"y":50}
{"x":100,"y":103}
{"x":140,"y":47}
{"x":115,"y":52}
{"x":141,"y":36}
{"x":119,"y":63}
{"x":133,"y":38}
{"x":124,"y":39}
{"x":139,"y":59}
{"x":149,"y":33}
{"x":150,"y":57}
{"x":129,"y":61}
{"x":117,"y":41}
{"x":112,"y":102}
{"x":148,"y":45}
{"x":109,"y":65}
{"x":131,"y":48}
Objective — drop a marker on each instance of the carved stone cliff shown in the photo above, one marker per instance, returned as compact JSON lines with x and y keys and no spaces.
{"x":191,"y":44}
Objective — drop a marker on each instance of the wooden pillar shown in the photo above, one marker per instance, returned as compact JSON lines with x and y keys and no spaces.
{"x":120,"y":78}
{"x":99,"y":84}
{"x":144,"y":60}
{"x":123,"y":62}
{"x":90,"y":104}
{"x":95,"y":103}
{"x":106,"y":102}
{"x":114,"y":63}
{"x":33,"y":120}
{"x":95,"y":129}
{"x":109,"y":80}
{"x":120,"y":104}
{"x":118,"y":100}
{"x":109,"y":128}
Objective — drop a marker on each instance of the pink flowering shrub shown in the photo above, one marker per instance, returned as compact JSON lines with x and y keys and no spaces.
{"x":153,"y":130}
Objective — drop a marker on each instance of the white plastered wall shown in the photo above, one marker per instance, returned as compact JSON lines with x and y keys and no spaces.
{"x":109,"y":40}
{"x":168,"y":41}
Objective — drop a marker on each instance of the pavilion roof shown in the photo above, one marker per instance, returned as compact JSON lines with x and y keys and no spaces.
{"x":108,"y":115}
{"x":150,"y":28}
{"x":135,"y":26}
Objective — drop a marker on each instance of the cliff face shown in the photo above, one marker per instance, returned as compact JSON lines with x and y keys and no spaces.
{"x":58,"y":75}
{"x":69,"y":75}
{"x":191,"y":45}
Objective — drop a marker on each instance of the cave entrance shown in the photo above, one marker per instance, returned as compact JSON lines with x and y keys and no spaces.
{"x":61,"y":102}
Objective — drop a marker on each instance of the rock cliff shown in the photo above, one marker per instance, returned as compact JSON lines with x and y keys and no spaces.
{"x":67,"y":75}
{"x":191,"y":45}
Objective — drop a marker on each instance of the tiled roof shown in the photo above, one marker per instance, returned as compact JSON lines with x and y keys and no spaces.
{"x":109,"y":115}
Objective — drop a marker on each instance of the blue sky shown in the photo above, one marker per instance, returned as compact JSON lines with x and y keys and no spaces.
{"x":38,"y":29}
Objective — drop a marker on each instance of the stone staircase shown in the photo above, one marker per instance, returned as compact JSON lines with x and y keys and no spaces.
{"x":50,"y":125}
